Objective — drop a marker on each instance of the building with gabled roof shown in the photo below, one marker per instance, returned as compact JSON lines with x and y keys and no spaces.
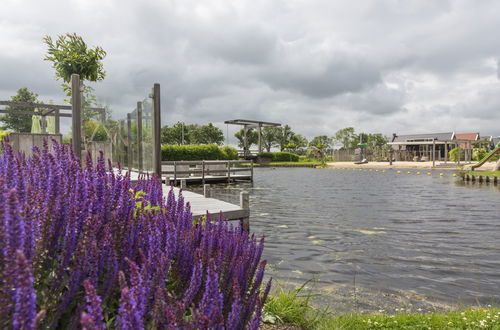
{"x":431,"y":145}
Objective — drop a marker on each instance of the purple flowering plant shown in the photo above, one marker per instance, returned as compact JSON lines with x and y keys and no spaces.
{"x":84,"y":247}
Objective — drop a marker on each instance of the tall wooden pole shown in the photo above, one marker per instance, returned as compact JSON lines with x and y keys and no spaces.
{"x":139,"y":135}
{"x":57,"y":121}
{"x":156,"y":131}
{"x":130,"y":158}
{"x":260,"y":138}
{"x":76,"y":115}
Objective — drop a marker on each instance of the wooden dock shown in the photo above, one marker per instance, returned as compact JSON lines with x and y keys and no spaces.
{"x":201,"y":172}
{"x":201,"y":204}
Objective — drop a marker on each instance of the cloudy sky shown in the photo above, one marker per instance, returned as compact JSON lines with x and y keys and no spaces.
{"x":387,"y":66}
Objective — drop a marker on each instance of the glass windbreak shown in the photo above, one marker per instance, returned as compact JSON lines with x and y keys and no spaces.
{"x":133,"y":142}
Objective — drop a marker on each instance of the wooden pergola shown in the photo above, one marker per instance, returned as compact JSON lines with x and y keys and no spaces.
{"x":248,"y":125}
{"x":44,"y":110}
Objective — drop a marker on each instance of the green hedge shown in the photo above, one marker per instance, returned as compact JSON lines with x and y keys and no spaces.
{"x":280,"y":156}
{"x":197,"y":152}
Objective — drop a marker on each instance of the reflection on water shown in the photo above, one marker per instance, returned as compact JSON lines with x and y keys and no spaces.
{"x":378,"y":240}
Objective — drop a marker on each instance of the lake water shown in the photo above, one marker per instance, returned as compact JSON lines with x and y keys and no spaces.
{"x":374,"y":240}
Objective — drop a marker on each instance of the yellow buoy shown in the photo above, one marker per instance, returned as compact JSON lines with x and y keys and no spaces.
{"x":429,"y":173}
{"x":376,"y":170}
{"x":371,"y":170}
{"x":398,"y":172}
{"x":408,"y":172}
{"x":384,"y":171}
{"x":418,"y":173}
{"x":454,"y":174}
{"x":441,"y":174}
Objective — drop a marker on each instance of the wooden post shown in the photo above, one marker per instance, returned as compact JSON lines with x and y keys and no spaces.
{"x":129,"y":141}
{"x":139,"y":136}
{"x":57,"y":121}
{"x":245,"y":205}
{"x":251,"y":170}
{"x":175,"y":173}
{"x":156,"y":131}
{"x":206,"y":191}
{"x":183,"y":184}
{"x":458,"y":153}
{"x":44,"y":124}
{"x":203,"y":172}
{"x":260,"y":138}
{"x":433,"y":153}
{"x":446,"y":152}
{"x":76,"y":115}
{"x":245,"y":142}
{"x":228,"y":171}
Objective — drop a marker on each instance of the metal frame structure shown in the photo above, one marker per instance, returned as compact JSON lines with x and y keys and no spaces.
{"x":248,"y":125}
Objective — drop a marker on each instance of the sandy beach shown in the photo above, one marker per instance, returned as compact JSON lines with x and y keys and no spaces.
{"x":426,"y":165}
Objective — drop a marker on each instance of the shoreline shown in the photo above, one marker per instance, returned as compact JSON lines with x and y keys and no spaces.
{"x":416,"y":165}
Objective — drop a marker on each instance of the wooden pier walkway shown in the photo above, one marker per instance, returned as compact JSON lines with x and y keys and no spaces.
{"x":201,"y":204}
{"x":201,"y":172}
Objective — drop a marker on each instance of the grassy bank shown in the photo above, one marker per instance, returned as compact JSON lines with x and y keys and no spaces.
{"x":293,"y":309}
{"x":489,"y":173}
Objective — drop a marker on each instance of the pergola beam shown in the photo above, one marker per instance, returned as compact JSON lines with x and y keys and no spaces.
{"x":247,"y":125}
{"x":26,"y":112}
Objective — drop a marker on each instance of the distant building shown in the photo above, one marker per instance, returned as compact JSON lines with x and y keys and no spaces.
{"x":420,"y":146}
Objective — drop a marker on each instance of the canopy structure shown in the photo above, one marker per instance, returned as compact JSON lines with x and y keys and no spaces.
{"x":248,"y":125}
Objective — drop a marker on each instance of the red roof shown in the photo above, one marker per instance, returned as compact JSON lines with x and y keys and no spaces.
{"x":467,"y":136}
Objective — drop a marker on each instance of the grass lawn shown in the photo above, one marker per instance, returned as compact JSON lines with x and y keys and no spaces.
{"x":292,"y":308}
{"x":490,"y":173}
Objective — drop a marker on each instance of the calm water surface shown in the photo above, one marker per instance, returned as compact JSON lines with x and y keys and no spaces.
{"x":376,"y":240}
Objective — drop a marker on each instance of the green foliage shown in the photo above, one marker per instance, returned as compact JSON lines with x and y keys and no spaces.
{"x":229,"y":152}
{"x":283,"y":156}
{"x":197,"y":152}
{"x":478,"y":153}
{"x":20,"y":123}
{"x":280,"y":156}
{"x":453,"y":154}
{"x":180,"y":133}
{"x":270,"y":137}
{"x":321,"y":142}
{"x":346,"y":138}
{"x":297,"y":144}
{"x":265,"y":154}
{"x":291,"y":307}
{"x":94,"y":131}
{"x":70,"y":54}
{"x":252,"y":137}
{"x":294,"y":308}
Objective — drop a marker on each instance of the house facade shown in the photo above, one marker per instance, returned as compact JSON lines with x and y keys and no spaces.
{"x":426,"y":147}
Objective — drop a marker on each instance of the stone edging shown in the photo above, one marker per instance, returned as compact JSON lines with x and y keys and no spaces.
{"x":481,"y":178}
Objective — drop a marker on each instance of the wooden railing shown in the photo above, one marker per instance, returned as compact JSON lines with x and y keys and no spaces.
{"x":205,"y":169}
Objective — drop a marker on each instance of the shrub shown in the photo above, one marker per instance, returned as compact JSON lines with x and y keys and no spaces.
{"x":171,"y":152}
{"x":265,"y":155}
{"x":478,"y":153}
{"x":453,"y":154}
{"x":280,"y":156}
{"x":85,"y":247}
{"x":229,"y":152}
{"x":285,"y":157}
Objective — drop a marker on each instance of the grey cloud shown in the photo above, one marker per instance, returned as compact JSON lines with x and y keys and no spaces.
{"x":498,"y":68}
{"x":341,"y":74}
{"x":317,"y":65}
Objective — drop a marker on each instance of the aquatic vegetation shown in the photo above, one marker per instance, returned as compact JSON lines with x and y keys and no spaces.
{"x":84,"y":247}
